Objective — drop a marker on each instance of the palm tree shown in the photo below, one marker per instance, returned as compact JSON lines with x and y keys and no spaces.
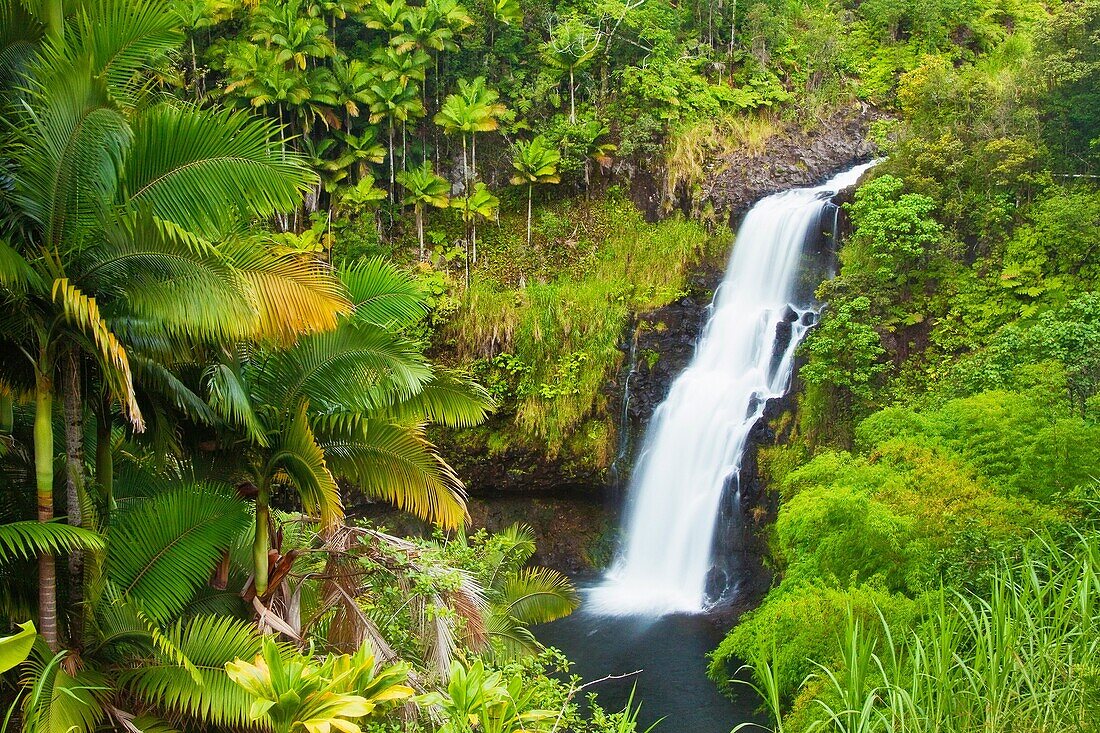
{"x":391,"y":101}
{"x":108,"y":232}
{"x":505,"y":12}
{"x":424,"y":188}
{"x":425,"y":31}
{"x":352,"y":81}
{"x":348,"y":403}
{"x":478,"y":203}
{"x":294,"y":36}
{"x":534,"y":162}
{"x":473,"y":109}
{"x":572,"y":45}
{"x":386,"y":16}
{"x":360,"y":151}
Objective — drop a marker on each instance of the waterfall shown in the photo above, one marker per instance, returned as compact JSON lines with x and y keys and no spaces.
{"x":696,"y":437}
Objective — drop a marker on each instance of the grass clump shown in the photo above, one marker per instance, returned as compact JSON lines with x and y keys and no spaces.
{"x":542,"y":325}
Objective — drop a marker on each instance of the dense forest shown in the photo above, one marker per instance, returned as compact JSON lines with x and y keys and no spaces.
{"x":270,"y":266}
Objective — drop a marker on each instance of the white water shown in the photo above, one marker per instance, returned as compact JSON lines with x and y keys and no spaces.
{"x":696,"y":437}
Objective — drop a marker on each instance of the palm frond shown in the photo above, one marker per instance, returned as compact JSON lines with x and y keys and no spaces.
{"x":15,"y":272}
{"x":152,"y":376}
{"x":166,"y":279}
{"x":449,"y":399}
{"x":290,"y":294}
{"x":299,"y":455}
{"x":26,"y":540}
{"x":229,"y":399}
{"x":397,"y":464}
{"x":538,"y":596}
{"x":382,"y":294}
{"x":209,"y":642}
{"x":59,"y":701}
{"x":120,"y":38}
{"x":66,"y":146}
{"x":83,"y":313}
{"x":356,"y":368}
{"x":199,"y":167}
{"x":513,"y":639}
{"x":164,"y":548}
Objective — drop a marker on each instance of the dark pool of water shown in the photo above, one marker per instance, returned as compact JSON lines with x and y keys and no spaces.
{"x":670,"y":651}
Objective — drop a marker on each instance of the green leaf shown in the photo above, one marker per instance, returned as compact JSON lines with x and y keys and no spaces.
{"x":16,"y":648}
{"x":163,"y":549}
{"x":29,"y":539}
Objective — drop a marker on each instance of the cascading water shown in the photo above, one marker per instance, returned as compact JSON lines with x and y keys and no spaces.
{"x":695,"y":440}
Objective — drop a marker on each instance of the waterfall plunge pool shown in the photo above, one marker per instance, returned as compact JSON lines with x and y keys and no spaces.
{"x":670,"y":651}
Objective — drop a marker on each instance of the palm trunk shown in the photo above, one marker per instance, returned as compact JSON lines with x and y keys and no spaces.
{"x":43,"y":470}
{"x":104,"y":458}
{"x":55,"y":18}
{"x":261,"y":543}
{"x":530,"y":193}
{"x":473,"y":156}
{"x":74,"y":489}
{"x":420,"y":228}
{"x":393,"y":185}
{"x":473,"y":239}
{"x":465,"y":169}
{"x":572,"y":99}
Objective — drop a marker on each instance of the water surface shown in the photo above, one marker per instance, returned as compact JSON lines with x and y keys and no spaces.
{"x":671,"y":652}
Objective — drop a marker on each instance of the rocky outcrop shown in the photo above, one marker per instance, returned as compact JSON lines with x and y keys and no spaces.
{"x":796,"y":157}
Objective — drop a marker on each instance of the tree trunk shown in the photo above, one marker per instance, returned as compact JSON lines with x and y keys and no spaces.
{"x":74,"y":489}
{"x":261,"y":543}
{"x":733,"y":30}
{"x":104,"y":458}
{"x":466,"y":259}
{"x":465,"y":170}
{"x":393,"y":186}
{"x":420,"y":228}
{"x":572,"y":99}
{"x":55,"y":18}
{"x":43,"y":470}
{"x":530,"y":193}
{"x":473,"y":157}
{"x":473,"y":239}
